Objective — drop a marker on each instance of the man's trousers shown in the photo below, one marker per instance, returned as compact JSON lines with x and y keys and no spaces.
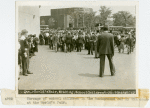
{"x":102,"y":64}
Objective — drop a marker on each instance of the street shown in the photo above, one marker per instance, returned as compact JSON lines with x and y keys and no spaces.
{"x":77,"y":70}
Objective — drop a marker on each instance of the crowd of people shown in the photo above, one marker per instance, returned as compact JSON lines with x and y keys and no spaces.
{"x":27,"y":46}
{"x":126,"y":40}
{"x":76,"y":40}
{"x":68,"y":41}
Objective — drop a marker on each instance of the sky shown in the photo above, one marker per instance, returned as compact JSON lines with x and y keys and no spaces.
{"x":45,"y":10}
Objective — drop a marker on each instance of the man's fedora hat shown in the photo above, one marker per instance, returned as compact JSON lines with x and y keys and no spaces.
{"x":24,"y":31}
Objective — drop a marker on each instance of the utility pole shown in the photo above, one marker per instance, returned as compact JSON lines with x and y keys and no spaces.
{"x":77,"y":20}
{"x":83,"y":20}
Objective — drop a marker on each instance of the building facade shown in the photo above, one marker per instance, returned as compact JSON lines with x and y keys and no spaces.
{"x":45,"y":23}
{"x":69,"y":17}
{"x":29,"y":19}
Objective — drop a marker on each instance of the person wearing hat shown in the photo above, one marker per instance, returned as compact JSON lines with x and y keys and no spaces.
{"x":25,"y":52}
{"x":116,"y":40}
{"x":41,"y":38}
{"x":73,"y":41}
{"x":74,"y":38}
{"x":122,"y":42}
{"x":95,"y":45}
{"x":79,"y":42}
{"x":61,"y":46}
{"x":91,"y":42}
{"x":50,"y":41}
{"x":129,"y":43}
{"x":68,"y":42}
{"x":35,"y":43}
{"x":55,"y":41}
{"x":46,"y":38}
{"x":29,"y":38}
{"x":87,"y":39}
{"x":64,"y":42}
{"x":105,"y":45}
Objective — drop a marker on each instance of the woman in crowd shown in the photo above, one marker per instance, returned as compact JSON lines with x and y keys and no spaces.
{"x":122,"y":42}
{"x":129,"y":42}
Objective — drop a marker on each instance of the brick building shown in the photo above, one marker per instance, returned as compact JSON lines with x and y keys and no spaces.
{"x":67,"y":17}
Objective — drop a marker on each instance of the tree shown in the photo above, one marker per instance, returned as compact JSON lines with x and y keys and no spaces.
{"x":75,"y":15}
{"x":104,"y":14}
{"x":85,"y":19}
{"x":89,"y":19}
{"x":123,"y":18}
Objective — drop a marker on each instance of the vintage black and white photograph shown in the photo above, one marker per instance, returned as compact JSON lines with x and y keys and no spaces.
{"x":76,"y":48}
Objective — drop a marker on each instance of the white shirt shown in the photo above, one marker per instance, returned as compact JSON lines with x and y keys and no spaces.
{"x":22,"y":37}
{"x":119,"y":36}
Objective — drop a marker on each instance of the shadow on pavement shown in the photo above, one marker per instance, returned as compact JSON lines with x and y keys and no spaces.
{"x":51,"y":51}
{"x":89,"y":57}
{"x":89,"y":75}
{"x":93,"y":75}
{"x":81,"y":54}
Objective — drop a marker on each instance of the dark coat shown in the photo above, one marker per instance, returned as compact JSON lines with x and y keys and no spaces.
{"x":130,"y":41}
{"x":23,"y":45}
{"x":87,"y":39}
{"x":80,"y":39}
{"x":41,"y":36}
{"x":35,"y":44}
{"x":68,"y":39}
{"x":55,"y":39}
{"x":116,"y":40}
{"x":105,"y":43}
{"x":92,"y":39}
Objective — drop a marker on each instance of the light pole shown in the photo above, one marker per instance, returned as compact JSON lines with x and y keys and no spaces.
{"x":83,"y":20}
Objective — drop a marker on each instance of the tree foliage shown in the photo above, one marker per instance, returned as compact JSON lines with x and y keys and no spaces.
{"x":87,"y":19}
{"x":123,"y":18}
{"x":104,"y":14}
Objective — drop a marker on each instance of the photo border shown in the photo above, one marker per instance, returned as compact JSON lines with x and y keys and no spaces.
{"x":61,"y":3}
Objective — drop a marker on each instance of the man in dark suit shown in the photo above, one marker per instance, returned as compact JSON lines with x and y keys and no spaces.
{"x":106,"y":48}
{"x":41,"y":37}
{"x":68,"y":42}
{"x":35,"y":43}
{"x":55,"y":41}
{"x":79,"y":42}
{"x":129,"y":42}
{"x":25,"y":52}
{"x":88,"y":43}
{"x":50,"y":41}
{"x":92,"y":40}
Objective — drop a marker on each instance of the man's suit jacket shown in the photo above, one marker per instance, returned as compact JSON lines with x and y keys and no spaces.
{"x":92,"y":39}
{"x":24,"y":45}
{"x":105,"y":43}
{"x":68,"y":39}
{"x":40,"y":36}
{"x":55,"y":39}
{"x":129,"y":41}
{"x":80,"y":39}
{"x":87,"y":39}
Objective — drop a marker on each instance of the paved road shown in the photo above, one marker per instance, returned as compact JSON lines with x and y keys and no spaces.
{"x":77,"y":70}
